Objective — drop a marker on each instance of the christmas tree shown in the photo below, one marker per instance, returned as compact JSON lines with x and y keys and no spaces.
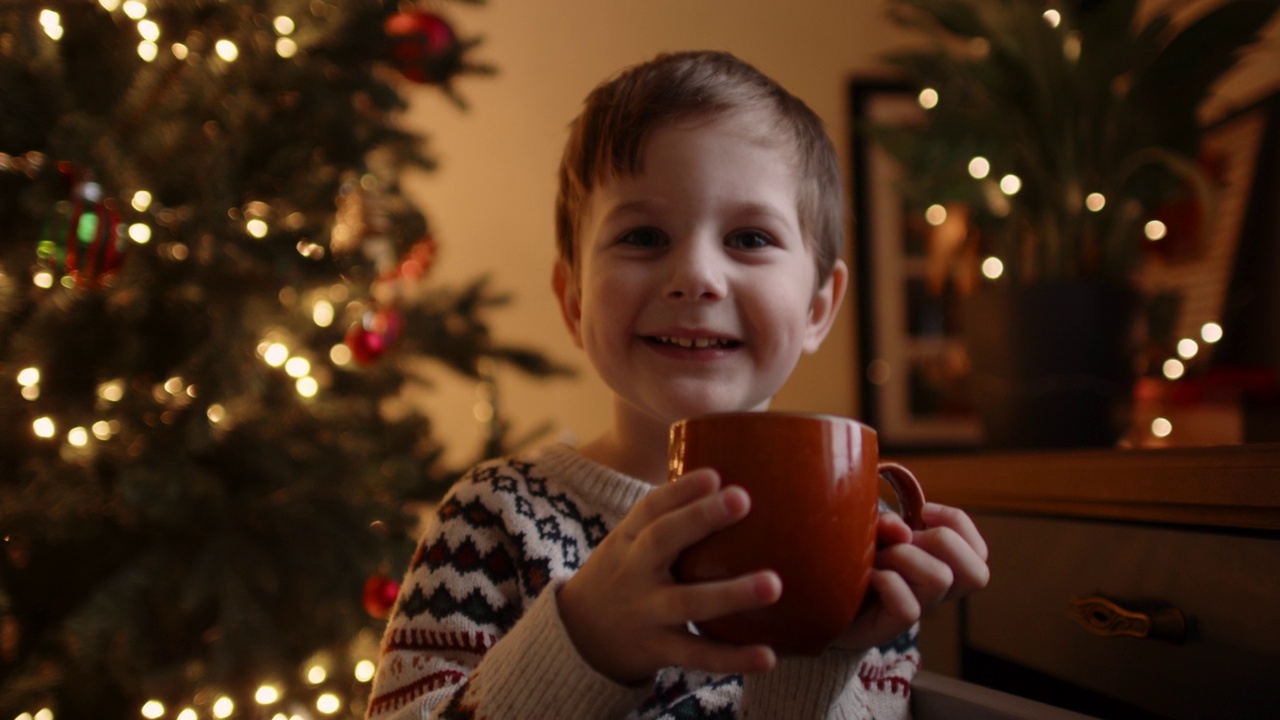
{"x":213,"y":297}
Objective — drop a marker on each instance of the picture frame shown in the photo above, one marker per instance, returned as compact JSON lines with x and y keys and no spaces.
{"x":912,"y":365}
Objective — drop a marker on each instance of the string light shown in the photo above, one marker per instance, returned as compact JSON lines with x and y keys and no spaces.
{"x":216,"y":413}
{"x":43,"y":279}
{"x":1187,"y":348}
{"x":1161,"y":427}
{"x":102,"y":430}
{"x":1010,"y":184}
{"x":141,"y":200}
{"x":316,"y":674}
{"x":109,"y":5}
{"x":44,"y":427}
{"x":187,"y":714}
{"x":307,"y":386}
{"x":140,"y":233}
{"x":322,"y":313}
{"x":340,"y":354}
{"x":1095,"y":201}
{"x":1155,"y":230}
{"x":149,"y":30}
{"x":1053,"y":17}
{"x":78,"y":437}
{"x":979,"y":167}
{"x":276,"y":354}
{"x":328,"y":703}
{"x":928,"y":98}
{"x":365,"y":670}
{"x":51,"y":21}
{"x":111,"y":391}
{"x":297,"y":367}
{"x":256,"y":228}
{"x":1211,"y":332}
{"x":180,"y":51}
{"x":266,"y":695}
{"x":1173,"y":369}
{"x":286,"y":47}
{"x":152,"y":709}
{"x":135,"y":10}
{"x":992,"y":268}
{"x":283,"y":25}
{"x":935,"y":215}
{"x":223,"y":707}
{"x":226,"y":50}
{"x":29,"y":377}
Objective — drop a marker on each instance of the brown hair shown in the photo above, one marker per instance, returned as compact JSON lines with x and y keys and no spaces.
{"x":607,"y":138}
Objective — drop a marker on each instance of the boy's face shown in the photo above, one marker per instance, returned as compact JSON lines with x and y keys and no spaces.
{"x":696,"y":290}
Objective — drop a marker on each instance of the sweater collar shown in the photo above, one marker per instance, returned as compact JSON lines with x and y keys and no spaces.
{"x":612,"y":491}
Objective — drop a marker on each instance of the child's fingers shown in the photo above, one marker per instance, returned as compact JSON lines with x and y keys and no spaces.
{"x":929,"y":578}
{"x":667,"y":497}
{"x":668,"y":535}
{"x":717,"y":658}
{"x":969,"y":569}
{"x":695,"y":602}
{"x":936,"y":515}
{"x":891,"y":529}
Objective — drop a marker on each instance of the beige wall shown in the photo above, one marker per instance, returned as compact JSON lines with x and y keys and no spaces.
{"x":490,"y":201}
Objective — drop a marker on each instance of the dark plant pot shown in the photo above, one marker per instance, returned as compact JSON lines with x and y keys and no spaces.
{"x":1053,"y":364}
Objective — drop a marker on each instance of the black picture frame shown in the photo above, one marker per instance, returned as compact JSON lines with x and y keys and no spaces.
{"x":912,"y":366}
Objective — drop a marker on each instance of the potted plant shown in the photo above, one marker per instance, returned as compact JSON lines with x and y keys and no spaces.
{"x":1053,"y":134}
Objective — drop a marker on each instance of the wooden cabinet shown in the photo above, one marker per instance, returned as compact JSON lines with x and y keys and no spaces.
{"x":1085,"y":545}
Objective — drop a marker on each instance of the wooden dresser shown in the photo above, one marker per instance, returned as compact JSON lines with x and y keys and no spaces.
{"x":1125,"y":583}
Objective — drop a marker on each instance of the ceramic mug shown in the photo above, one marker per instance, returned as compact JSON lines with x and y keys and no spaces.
{"x":814,"y":483}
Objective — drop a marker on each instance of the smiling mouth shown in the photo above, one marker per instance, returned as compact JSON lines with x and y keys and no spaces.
{"x":696,"y":343}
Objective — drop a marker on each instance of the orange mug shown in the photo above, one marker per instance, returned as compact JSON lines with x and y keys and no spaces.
{"x":814,"y":487}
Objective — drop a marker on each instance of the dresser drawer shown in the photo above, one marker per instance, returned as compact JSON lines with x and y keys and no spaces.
{"x":1226,"y":585}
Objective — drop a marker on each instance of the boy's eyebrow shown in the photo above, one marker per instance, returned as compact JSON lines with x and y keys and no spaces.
{"x":743,"y":209}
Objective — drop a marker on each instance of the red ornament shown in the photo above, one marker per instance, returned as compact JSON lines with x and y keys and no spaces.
{"x":372,"y":335}
{"x":82,"y":238}
{"x":379,"y":595}
{"x":418,"y":260}
{"x":424,"y":48}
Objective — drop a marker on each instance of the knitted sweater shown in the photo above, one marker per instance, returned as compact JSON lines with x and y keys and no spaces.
{"x":476,"y":632}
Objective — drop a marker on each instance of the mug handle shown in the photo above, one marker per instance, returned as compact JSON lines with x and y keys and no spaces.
{"x":907,"y":488}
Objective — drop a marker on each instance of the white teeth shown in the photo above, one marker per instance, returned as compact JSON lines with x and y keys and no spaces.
{"x":699,"y":343}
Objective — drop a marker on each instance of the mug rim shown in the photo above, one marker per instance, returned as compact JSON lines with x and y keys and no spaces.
{"x":791,"y":414}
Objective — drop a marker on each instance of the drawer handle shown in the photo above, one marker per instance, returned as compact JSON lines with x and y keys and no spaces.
{"x":1103,"y":616}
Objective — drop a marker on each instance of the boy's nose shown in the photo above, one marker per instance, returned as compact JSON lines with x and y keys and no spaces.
{"x":697,"y":273}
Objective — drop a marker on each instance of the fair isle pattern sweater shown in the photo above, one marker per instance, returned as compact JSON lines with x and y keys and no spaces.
{"x":476,"y":632}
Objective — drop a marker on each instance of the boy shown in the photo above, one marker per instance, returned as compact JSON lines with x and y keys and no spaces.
{"x":699,"y":230}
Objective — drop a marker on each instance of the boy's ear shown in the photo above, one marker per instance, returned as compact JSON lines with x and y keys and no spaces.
{"x":825,"y":306}
{"x":566,"y":289}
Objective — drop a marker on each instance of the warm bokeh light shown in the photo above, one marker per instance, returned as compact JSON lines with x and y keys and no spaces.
{"x":216,"y":413}
{"x":1053,"y":17}
{"x":152,"y":709}
{"x":328,"y":703}
{"x":365,"y":670}
{"x":1211,"y":332}
{"x":307,"y":386}
{"x":316,"y":674}
{"x":44,"y":427}
{"x":928,"y":98}
{"x":226,"y":50}
{"x":43,"y":279}
{"x":102,"y":430}
{"x":322,"y":313}
{"x":149,"y":30}
{"x":340,"y":354}
{"x":979,"y":167}
{"x":935,"y":215}
{"x":992,"y":268}
{"x":223,"y":707}
{"x":1095,"y":201}
{"x":283,"y":25}
{"x":188,"y":714}
{"x":28,"y":377}
{"x":296,"y":367}
{"x":1010,"y":184}
{"x":1173,"y":369}
{"x":276,"y":354}
{"x":266,"y":695}
{"x":257,"y":228}
{"x":111,"y":391}
{"x":1155,"y":230}
{"x":1187,"y":348}
{"x":135,"y":10}
{"x":140,"y":233}
{"x":1161,"y":427}
{"x":141,"y":201}
{"x":77,"y":437}
{"x":180,"y":51}
{"x":286,"y":47}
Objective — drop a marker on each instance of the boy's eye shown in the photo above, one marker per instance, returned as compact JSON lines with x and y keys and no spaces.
{"x":643,"y":237}
{"x":749,"y":240}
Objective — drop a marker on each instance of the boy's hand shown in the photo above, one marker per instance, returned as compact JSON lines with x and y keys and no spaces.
{"x":915,"y":571}
{"x":628,"y":616}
